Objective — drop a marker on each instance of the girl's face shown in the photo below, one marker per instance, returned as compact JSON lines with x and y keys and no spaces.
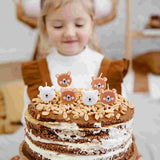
{"x":69,"y":28}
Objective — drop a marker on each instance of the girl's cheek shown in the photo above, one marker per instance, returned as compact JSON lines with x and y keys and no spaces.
{"x":56,"y":32}
{"x":85,"y":37}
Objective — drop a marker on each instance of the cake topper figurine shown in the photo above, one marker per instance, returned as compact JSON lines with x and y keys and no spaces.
{"x":64,"y":79}
{"x":99,"y":83}
{"x":108,"y":96}
{"x":68,"y":95}
{"x":46,"y":93}
{"x":90,"y":97}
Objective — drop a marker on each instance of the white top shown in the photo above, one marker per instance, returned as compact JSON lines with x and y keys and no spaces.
{"x":82,"y":67}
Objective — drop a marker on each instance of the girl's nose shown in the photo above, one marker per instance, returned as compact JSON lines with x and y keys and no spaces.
{"x":69,"y":31}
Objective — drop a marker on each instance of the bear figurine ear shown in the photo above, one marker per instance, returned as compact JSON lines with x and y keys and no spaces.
{"x":114,"y":90}
{"x":96,"y":92}
{"x":53,"y":88}
{"x":57,"y":75}
{"x":93,"y":78}
{"x":69,"y":73}
{"x":62,"y":90}
{"x":74,"y":90}
{"x":102,"y":91}
{"x":105,"y":79}
{"x":40,"y":88}
{"x":83,"y":91}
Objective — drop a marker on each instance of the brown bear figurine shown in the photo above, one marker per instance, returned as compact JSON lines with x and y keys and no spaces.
{"x":68,"y":95}
{"x":108,"y":96}
{"x":99,"y":83}
{"x":64,"y":79}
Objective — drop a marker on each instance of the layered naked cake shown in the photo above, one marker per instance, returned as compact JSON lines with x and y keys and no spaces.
{"x":56,"y":130}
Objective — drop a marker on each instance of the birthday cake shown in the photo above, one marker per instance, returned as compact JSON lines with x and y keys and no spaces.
{"x":79,"y":124}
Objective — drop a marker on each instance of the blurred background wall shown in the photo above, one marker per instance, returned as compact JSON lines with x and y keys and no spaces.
{"x":17,"y":40}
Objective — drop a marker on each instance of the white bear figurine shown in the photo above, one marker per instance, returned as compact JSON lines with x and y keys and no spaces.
{"x":90,"y":97}
{"x":46,"y":93}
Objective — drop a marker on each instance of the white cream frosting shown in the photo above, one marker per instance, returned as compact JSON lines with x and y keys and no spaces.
{"x":62,"y":125}
{"x":54,"y":156}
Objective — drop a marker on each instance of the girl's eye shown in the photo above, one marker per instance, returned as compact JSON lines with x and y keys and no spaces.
{"x":79,"y":25}
{"x":58,"y":27}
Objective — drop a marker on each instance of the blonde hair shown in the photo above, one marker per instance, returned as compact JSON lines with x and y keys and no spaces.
{"x":45,"y":47}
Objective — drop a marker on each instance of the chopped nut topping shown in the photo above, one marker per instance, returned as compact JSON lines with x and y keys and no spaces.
{"x":78,"y":110}
{"x":122,"y":112}
{"x":118,"y":116}
{"x":75,"y":117}
{"x":39,"y":107}
{"x":38,"y":116}
{"x":97,"y":117}
{"x":86,"y":118}
{"x":65,"y":115}
{"x":45,"y":113}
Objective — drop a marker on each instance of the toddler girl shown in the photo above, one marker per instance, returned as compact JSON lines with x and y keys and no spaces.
{"x":68,"y":26}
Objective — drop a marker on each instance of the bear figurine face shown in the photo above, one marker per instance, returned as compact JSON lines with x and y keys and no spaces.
{"x":99,"y":83}
{"x":68,"y":95}
{"x":64,"y":79}
{"x":46,"y":93}
{"x":90,"y":97}
{"x":108,"y":96}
